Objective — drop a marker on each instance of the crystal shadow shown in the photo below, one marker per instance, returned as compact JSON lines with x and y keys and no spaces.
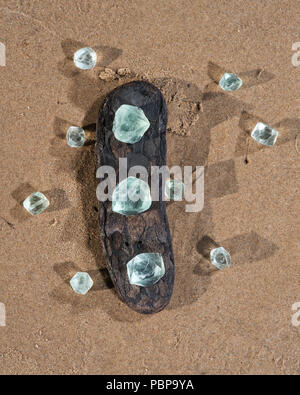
{"x":65,"y":295}
{"x":244,"y":248}
{"x":56,"y":196}
{"x":250,"y":78}
{"x":288,"y":129}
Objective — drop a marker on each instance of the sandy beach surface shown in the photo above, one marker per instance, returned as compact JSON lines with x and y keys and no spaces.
{"x":236,"y":321}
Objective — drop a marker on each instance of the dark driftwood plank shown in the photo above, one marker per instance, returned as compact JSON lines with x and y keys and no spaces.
{"x":124,"y":237}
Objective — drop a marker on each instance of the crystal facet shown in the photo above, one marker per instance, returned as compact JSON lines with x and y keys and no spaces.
{"x":130,"y":124}
{"x":145,"y":269}
{"x":230,"y":82}
{"x":264,"y":134}
{"x":75,"y":137}
{"x":85,"y":58}
{"x":220,"y":258}
{"x":174,"y":189}
{"x":36,"y":203}
{"x":132,"y":196}
{"x":81,"y":283}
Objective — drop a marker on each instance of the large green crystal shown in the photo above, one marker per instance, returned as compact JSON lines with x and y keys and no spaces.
{"x":132,"y":196}
{"x":130,"y":124}
{"x":145,"y":269}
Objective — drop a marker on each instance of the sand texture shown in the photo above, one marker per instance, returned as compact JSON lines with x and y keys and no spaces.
{"x":238,"y":321}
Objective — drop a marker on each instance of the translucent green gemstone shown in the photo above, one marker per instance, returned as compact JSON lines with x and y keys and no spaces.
{"x":264,"y":134}
{"x":85,"y":58}
{"x":220,"y":258}
{"x":130,"y":124}
{"x":145,"y":269}
{"x":36,"y":203}
{"x":174,"y":189}
{"x":81,"y":283}
{"x":230,"y":82}
{"x":132,"y":196}
{"x":75,"y":137}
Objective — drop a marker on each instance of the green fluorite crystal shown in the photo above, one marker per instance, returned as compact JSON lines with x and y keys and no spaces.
{"x":145,"y":269}
{"x":132,"y":196}
{"x":230,"y":82}
{"x":75,"y":137}
{"x":130,"y":124}
{"x":264,"y":134}
{"x":220,"y":258}
{"x":81,"y":283}
{"x":36,"y":203}
{"x":174,"y":189}
{"x":85,"y":58}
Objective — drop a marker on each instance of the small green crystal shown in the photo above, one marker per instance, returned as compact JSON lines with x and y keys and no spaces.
{"x":85,"y":58}
{"x":174,"y":189}
{"x":36,"y":203}
{"x":145,"y":269}
{"x":230,"y":82}
{"x":220,"y":258}
{"x":75,"y":137}
{"x":130,"y":124}
{"x":132,"y":196}
{"x":81,"y":283}
{"x":264,"y":134}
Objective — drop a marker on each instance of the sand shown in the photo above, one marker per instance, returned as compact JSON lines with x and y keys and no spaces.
{"x":237,"y":321}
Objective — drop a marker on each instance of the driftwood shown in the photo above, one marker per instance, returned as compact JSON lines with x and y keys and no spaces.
{"x":126,"y":236}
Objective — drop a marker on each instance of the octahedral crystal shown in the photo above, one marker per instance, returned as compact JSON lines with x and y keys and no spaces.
{"x":174,"y":189}
{"x":131,"y":196}
{"x":264,"y":134}
{"x":85,"y":58}
{"x":230,"y":82}
{"x":36,"y":203}
{"x":130,"y":124}
{"x":145,"y":269}
{"x":81,"y":283}
{"x":220,"y":258}
{"x":75,"y":137}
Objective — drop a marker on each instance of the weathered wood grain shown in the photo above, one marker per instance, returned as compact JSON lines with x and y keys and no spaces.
{"x":124,"y":237}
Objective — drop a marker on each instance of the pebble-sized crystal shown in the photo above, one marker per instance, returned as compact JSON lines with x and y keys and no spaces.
{"x":230,"y":82}
{"x":85,"y":58}
{"x":145,"y":269}
{"x":264,"y":134}
{"x":132,"y":196}
{"x":81,"y":283}
{"x":36,"y":203}
{"x":174,"y":189}
{"x":130,"y":124}
{"x":220,"y":258}
{"x":75,"y":137}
